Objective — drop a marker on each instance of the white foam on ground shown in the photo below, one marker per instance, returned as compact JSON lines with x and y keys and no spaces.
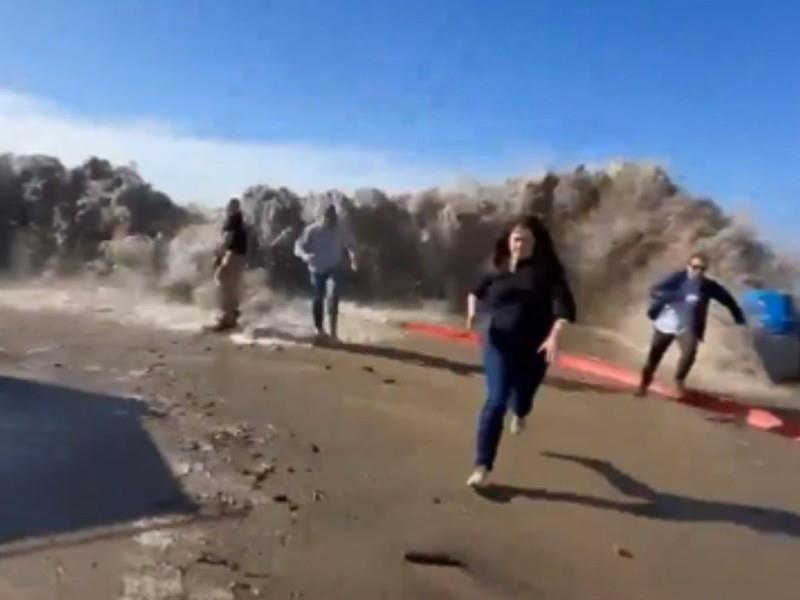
{"x":281,"y":322}
{"x":124,"y":305}
{"x":288,"y":322}
{"x":432,"y":312}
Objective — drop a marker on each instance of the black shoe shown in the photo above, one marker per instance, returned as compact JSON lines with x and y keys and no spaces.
{"x":222,"y":326}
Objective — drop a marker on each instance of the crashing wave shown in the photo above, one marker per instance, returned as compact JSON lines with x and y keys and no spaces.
{"x":617,"y":228}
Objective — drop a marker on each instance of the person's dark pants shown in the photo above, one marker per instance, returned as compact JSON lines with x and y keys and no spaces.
{"x":325,"y":286}
{"x":688,"y":343}
{"x":513,"y":375}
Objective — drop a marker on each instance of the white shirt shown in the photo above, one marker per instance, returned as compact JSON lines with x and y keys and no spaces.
{"x":323,"y":247}
{"x":672,"y":321}
{"x":669,"y":321}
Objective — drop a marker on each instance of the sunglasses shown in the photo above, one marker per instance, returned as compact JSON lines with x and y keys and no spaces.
{"x":698,"y":268}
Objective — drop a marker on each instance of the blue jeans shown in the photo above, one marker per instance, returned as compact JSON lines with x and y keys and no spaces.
{"x":326,"y":286}
{"x":513,"y":375}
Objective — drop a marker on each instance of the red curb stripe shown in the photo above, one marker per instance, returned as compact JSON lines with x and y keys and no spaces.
{"x":752,"y":416}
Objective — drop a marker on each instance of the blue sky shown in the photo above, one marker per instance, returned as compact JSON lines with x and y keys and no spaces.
{"x":405,"y":93}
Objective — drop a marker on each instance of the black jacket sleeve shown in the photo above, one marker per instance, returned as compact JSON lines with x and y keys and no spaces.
{"x":724,"y":297}
{"x":228,"y":231}
{"x":667,"y":290}
{"x":563,"y":300}
{"x":481,"y":286}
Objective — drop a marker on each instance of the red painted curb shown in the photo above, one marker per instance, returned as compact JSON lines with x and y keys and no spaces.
{"x":752,"y":416}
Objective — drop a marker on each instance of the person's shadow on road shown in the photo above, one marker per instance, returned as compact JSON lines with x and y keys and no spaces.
{"x":462,"y":368}
{"x":652,"y":504}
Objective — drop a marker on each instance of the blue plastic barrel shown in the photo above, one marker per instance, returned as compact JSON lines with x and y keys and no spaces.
{"x":771,"y":310}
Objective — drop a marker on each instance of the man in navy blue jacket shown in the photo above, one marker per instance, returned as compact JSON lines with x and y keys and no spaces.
{"x":679,"y":311}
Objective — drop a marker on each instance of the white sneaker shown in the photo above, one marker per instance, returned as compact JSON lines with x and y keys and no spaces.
{"x":478,"y":477}
{"x":517,"y":425}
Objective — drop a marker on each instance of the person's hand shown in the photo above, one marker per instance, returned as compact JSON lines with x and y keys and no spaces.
{"x":470,"y":323}
{"x":226,"y":259}
{"x":354,"y":264}
{"x":550,"y":348}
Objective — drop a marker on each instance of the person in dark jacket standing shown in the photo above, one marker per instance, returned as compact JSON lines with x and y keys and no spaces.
{"x":231,"y":259}
{"x":679,"y":311}
{"x":526,"y":301}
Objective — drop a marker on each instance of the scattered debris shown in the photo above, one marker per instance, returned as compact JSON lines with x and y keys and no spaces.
{"x":433,"y":560}
{"x":318,"y":495}
{"x":58,"y":365}
{"x":212,"y":594}
{"x":389,"y":381}
{"x":159,"y":581}
{"x":190,"y":445}
{"x":368,"y":369}
{"x":182,"y":469}
{"x":215,"y":560}
{"x":241,"y":434}
{"x":259,"y":473}
{"x":437,"y":500}
{"x":158,"y":539}
{"x":280,"y":498}
{"x":225,"y":503}
{"x":240,"y":586}
{"x":314,"y":448}
{"x":623,"y":552}
{"x":158,"y":412}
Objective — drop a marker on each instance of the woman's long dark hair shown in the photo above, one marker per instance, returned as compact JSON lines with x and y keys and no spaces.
{"x":544,"y":250}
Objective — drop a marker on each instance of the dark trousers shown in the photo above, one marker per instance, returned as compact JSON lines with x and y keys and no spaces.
{"x":325,"y":286}
{"x":513,"y":375}
{"x":688,"y":343}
